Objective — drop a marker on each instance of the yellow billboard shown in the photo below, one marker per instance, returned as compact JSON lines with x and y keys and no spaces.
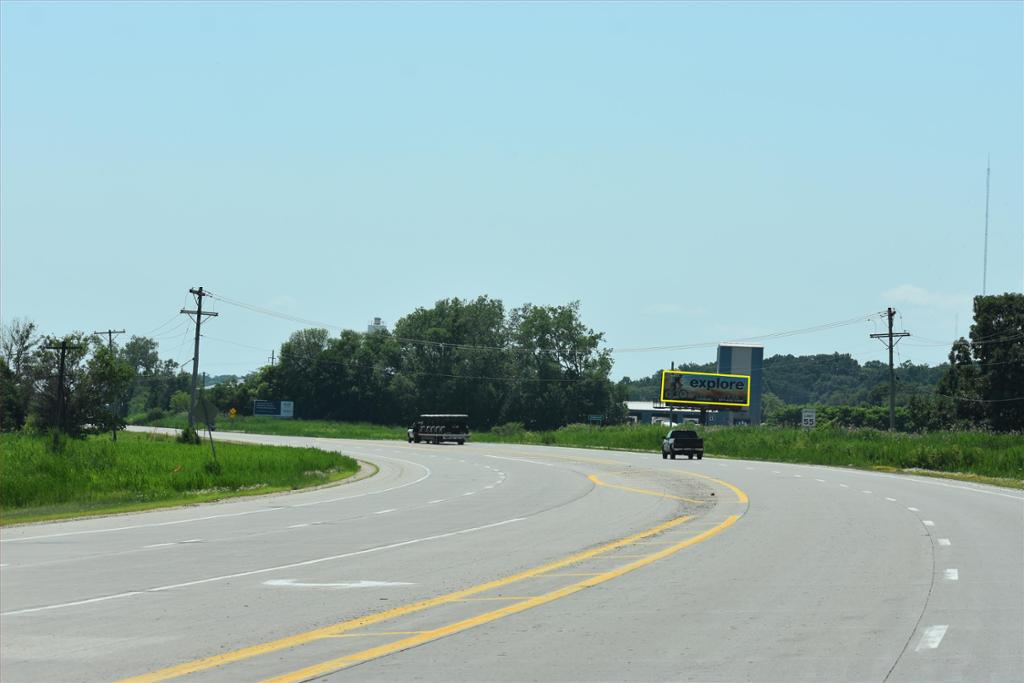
{"x":679,"y":387}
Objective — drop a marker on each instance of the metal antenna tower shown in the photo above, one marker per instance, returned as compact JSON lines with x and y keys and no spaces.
{"x":984,"y":270}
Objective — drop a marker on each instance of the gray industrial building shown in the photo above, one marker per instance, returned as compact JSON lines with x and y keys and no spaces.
{"x":741,"y":359}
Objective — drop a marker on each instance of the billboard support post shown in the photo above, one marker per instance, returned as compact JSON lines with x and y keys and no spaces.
{"x":671,"y":410}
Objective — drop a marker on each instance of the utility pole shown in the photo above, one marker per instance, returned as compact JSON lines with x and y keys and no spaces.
{"x":110,"y":347}
{"x":891,"y":340}
{"x":198,"y":313}
{"x":61,"y":399}
{"x":110,"y":337}
{"x":271,"y":358}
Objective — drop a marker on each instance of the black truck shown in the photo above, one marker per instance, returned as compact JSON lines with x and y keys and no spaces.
{"x":682,"y":442}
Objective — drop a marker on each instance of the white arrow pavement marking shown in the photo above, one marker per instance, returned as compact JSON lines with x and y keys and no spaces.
{"x":291,"y":583}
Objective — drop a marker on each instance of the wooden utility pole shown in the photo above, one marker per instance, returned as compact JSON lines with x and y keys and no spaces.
{"x":110,"y":337}
{"x":891,"y":339}
{"x":61,"y":398}
{"x":110,"y":346}
{"x":198,"y":313}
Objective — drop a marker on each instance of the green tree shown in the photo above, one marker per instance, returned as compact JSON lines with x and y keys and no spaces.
{"x":55,"y":409}
{"x":107,"y":380}
{"x":997,"y":341}
{"x":18,"y":342}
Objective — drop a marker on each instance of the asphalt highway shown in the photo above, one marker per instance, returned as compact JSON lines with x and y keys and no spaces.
{"x":514,"y":563}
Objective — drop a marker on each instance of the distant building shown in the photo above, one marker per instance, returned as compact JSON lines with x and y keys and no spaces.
{"x":376,"y":325}
{"x":741,"y":359}
{"x":652,"y":412}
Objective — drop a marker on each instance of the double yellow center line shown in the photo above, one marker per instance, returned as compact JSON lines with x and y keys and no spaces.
{"x":413,"y":639}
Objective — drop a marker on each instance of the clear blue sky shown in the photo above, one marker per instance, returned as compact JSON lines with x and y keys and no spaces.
{"x":689,"y":172}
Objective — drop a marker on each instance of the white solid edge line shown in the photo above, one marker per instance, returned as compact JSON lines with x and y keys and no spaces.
{"x":264,"y":570}
{"x":931,"y":637}
{"x":952,"y":575}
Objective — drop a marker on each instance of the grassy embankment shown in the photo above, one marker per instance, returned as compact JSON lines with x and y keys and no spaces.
{"x":975,"y":456}
{"x":971,"y":456}
{"x":279,"y":427}
{"x":142,"y":471}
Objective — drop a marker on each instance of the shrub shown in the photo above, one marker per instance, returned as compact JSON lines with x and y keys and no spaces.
{"x":509,"y":429}
{"x":189,"y":435}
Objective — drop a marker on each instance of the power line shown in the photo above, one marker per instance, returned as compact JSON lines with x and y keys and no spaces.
{"x":763,"y":337}
{"x":612,"y":350}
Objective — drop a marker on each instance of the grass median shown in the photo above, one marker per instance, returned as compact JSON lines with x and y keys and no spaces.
{"x":143,"y":471}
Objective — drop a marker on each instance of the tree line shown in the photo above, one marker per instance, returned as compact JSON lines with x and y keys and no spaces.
{"x":102,"y":382}
{"x":981,"y":385}
{"x":536,"y":365}
{"x":539,"y":365}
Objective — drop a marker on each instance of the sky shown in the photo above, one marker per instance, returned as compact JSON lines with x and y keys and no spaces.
{"x":689,"y":172}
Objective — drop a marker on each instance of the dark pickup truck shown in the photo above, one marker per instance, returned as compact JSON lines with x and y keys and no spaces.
{"x":681,"y":442}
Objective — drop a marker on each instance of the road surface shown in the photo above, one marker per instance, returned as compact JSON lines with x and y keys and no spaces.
{"x":513,"y":563}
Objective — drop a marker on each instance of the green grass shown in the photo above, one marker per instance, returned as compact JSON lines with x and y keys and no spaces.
{"x":142,"y":471}
{"x":976,"y":454}
{"x":972,"y":456}
{"x":282,"y":427}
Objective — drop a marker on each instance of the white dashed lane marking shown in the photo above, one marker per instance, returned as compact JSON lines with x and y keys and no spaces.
{"x":944,"y":541}
{"x":844,"y":486}
{"x":439,"y":500}
{"x":928,"y":522}
{"x":891,"y":500}
{"x":931,"y":637}
{"x":913,"y":509}
{"x":384,"y":512}
{"x":952,"y":575}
